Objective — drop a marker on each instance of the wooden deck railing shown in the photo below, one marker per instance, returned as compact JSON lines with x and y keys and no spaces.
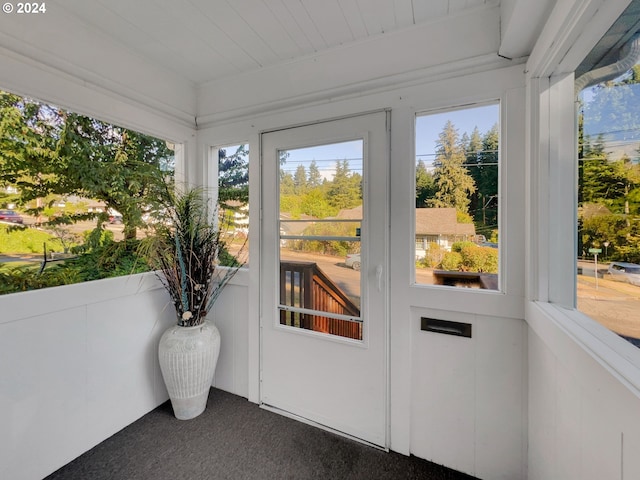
{"x":305,"y":285}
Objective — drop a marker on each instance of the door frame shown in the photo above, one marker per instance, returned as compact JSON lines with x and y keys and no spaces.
{"x":385,"y":255}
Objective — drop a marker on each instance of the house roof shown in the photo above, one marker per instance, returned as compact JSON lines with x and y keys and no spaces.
{"x":354,"y":213}
{"x":441,"y":221}
{"x":294,"y":226}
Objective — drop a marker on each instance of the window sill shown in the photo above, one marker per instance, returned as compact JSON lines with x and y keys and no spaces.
{"x":617,"y":356}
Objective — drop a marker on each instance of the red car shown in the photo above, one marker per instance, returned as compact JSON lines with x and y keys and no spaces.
{"x":10,"y":216}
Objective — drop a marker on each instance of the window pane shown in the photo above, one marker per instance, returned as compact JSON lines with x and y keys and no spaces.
{"x":456,"y":214}
{"x":321,"y":213}
{"x":88,"y":188}
{"x":608,"y":281}
{"x":233,"y":196}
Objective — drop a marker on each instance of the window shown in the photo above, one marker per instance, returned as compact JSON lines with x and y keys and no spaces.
{"x":456,"y":210}
{"x":608,"y":265}
{"x":81,"y":192}
{"x":233,"y":194}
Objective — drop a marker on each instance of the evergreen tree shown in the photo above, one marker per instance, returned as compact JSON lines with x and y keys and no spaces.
{"x":345,"y":190}
{"x":473,"y":147}
{"x":300,"y":180}
{"x":453,"y":182}
{"x":315,"y":179}
{"x":425,"y":185}
{"x":487,"y":182}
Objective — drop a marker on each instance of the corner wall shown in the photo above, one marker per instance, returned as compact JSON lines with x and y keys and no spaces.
{"x":584,"y":423}
{"x":79,"y":363}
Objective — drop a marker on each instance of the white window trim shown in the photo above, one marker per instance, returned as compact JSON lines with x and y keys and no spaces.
{"x":552,"y":191}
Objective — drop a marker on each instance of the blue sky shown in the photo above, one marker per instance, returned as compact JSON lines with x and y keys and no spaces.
{"x":325,"y":157}
{"x":428,"y":127}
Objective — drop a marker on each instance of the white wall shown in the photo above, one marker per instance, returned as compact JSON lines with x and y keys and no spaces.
{"x":584,"y":419}
{"x":468,"y":395}
{"x":584,"y":381}
{"x":231,"y":316}
{"x":78,"y":363}
{"x":460,"y":402}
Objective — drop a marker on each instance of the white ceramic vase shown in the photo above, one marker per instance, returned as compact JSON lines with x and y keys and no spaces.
{"x":188,"y":358}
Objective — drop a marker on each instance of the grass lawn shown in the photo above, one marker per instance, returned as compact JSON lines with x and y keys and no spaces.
{"x":26,"y":240}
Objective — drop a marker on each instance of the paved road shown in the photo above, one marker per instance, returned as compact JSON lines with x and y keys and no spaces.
{"x":615,"y":305}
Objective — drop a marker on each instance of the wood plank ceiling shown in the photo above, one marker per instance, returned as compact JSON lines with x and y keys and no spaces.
{"x":204,"y":40}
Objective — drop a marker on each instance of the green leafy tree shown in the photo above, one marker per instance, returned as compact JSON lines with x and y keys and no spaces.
{"x":29,"y":157}
{"x":47,"y":152}
{"x":315,"y":204}
{"x":129,"y":171}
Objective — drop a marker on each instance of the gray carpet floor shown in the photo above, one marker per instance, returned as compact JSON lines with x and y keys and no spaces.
{"x":235,"y":439}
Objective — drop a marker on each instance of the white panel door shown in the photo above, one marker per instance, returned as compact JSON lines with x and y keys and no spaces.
{"x":324,"y":274}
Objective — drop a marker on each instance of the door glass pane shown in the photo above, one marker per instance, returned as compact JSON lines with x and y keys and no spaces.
{"x":321,"y":211}
{"x":456,"y":214}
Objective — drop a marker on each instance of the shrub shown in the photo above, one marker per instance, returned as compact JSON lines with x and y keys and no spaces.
{"x":458,"y":246}
{"x":451,"y":261}
{"x":470,"y":257}
{"x":433,"y":256}
{"x":27,"y":277}
{"x":479,"y":259}
{"x":113,"y":259}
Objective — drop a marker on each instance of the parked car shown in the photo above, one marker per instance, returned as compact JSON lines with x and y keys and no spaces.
{"x":625,"y":272}
{"x":10,"y":216}
{"x":353,"y":261}
{"x":115,"y":219}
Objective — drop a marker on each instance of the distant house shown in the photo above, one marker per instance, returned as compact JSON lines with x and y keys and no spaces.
{"x":433,"y":225}
{"x":440,"y":226}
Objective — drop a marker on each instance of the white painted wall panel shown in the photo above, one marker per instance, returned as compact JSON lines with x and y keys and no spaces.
{"x":231,"y":316}
{"x":43,"y":408}
{"x":468,"y":395}
{"x":78,"y":363}
{"x":443,"y":396}
{"x":500,"y":400}
{"x":584,"y":422}
{"x":121,"y":343}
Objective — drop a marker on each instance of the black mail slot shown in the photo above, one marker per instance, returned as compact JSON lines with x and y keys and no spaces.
{"x":445,"y":326}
